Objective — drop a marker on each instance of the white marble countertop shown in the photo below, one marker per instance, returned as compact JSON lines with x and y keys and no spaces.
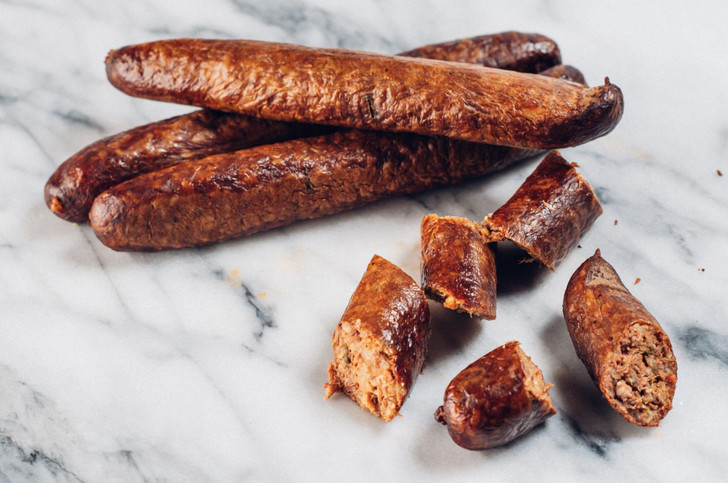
{"x":208,"y":364}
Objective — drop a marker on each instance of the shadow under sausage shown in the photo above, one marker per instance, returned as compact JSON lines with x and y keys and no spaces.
{"x":451,"y":332}
{"x":517,"y":272}
{"x":590,"y":419}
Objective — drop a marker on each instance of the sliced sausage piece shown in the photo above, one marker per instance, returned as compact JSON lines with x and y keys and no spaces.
{"x":496,"y":399}
{"x":522,"y":52}
{"x":237,"y":194}
{"x":381,"y":341}
{"x":345,"y":88}
{"x":71,"y":189}
{"x":623,"y":347}
{"x":549,"y":213}
{"x":458,"y":265}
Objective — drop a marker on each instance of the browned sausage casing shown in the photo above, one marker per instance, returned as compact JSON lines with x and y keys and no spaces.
{"x":496,"y":399}
{"x":72,"y":188}
{"x":549,"y":213}
{"x":381,"y":341}
{"x":362,"y":90}
{"x":623,"y":347}
{"x":237,"y":194}
{"x":565,"y":72}
{"x":522,"y":52}
{"x":458,"y":265}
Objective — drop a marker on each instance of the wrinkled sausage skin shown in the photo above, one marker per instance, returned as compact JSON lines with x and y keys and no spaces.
{"x":549,"y":213}
{"x":522,"y":52}
{"x":381,"y":341}
{"x":345,"y":88}
{"x":73,"y":186}
{"x":627,"y":353}
{"x":496,"y":399}
{"x":71,"y":189}
{"x":458,"y":265}
{"x":237,"y":194}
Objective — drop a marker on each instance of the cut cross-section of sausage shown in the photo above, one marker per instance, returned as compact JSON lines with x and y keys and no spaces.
{"x":549,"y":213}
{"x":381,"y":340}
{"x":625,"y":350}
{"x":286,"y":82}
{"x":496,"y":399}
{"x":458,"y":265}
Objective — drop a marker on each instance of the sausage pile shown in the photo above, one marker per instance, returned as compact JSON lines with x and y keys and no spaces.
{"x":288,"y":133}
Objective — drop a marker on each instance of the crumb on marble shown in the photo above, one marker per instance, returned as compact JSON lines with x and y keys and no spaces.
{"x":615,"y":222}
{"x":637,"y":280}
{"x":719,"y":172}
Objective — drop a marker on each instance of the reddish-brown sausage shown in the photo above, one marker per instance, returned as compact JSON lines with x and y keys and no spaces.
{"x":72,"y":188}
{"x":522,"y":52}
{"x":549,"y":213}
{"x":496,"y":399}
{"x":565,"y":72}
{"x":381,"y":340}
{"x":458,"y":265}
{"x":237,"y":194}
{"x":625,"y":350}
{"x":361,"y":90}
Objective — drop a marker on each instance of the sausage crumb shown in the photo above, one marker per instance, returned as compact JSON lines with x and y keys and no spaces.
{"x":637,"y":280}
{"x":615,"y":222}
{"x":719,"y":172}
{"x":701,"y":269}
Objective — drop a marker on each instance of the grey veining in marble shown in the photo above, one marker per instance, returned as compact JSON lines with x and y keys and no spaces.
{"x":208,"y":364}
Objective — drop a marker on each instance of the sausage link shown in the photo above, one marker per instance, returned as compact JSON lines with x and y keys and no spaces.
{"x":565,"y":72}
{"x":549,"y":212}
{"x":625,"y":350}
{"x":361,"y":90}
{"x":458,"y":265}
{"x":496,"y":399}
{"x":522,"y":52}
{"x":381,"y":341}
{"x":237,"y":194}
{"x":71,"y":189}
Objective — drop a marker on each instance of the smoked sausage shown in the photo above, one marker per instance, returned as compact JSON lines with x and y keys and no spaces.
{"x":345,"y":88}
{"x":625,"y":350}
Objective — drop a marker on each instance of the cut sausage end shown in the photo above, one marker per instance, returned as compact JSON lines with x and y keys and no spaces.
{"x":364,"y":369}
{"x":534,"y":383}
{"x":641,"y":382}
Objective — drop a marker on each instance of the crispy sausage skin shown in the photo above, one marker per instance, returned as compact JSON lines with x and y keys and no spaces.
{"x":458,"y":265}
{"x":549,"y":212}
{"x":496,"y":399}
{"x":565,"y":72}
{"x":71,"y":189}
{"x":73,"y":186}
{"x":522,"y":52}
{"x":287,"y":82}
{"x":237,"y":194}
{"x":625,"y":350}
{"x":381,"y":341}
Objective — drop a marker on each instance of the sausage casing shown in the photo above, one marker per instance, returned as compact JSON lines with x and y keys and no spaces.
{"x":522,"y":52}
{"x":361,"y":90}
{"x":458,"y":265}
{"x":237,"y":194}
{"x":549,"y":212}
{"x":496,"y":399}
{"x":381,"y":341}
{"x":625,"y":350}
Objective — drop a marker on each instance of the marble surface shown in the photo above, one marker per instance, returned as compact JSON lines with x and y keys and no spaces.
{"x":208,"y":364}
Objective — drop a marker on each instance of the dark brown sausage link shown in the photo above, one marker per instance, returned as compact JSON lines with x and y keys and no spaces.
{"x":549,"y":213}
{"x":287,"y":82}
{"x":237,"y":194}
{"x":72,"y":188}
{"x":496,"y":399}
{"x":458,"y":265}
{"x":522,"y":52}
{"x":381,"y":341}
{"x":565,"y":72}
{"x":625,"y":350}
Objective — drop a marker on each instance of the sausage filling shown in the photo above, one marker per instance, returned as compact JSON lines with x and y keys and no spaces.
{"x":643,"y":376}
{"x":364,"y":370}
